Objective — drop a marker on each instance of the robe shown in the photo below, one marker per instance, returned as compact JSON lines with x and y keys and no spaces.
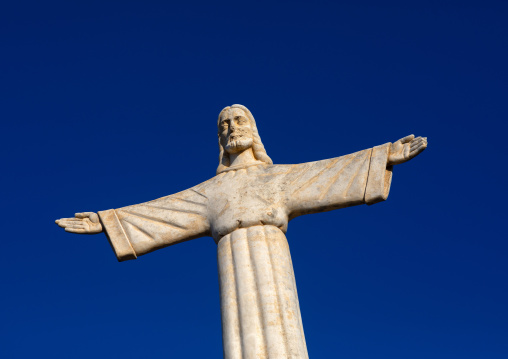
{"x":247,"y":211}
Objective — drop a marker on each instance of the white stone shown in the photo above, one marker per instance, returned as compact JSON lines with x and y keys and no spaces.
{"x":246,"y":208}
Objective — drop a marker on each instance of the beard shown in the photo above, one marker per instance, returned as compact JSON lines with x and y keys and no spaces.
{"x":238,"y":143}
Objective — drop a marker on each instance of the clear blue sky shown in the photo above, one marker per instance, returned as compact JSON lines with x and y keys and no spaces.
{"x":106,"y":104}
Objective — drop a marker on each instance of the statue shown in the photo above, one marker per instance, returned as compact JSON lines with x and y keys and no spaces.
{"x":246,"y":208}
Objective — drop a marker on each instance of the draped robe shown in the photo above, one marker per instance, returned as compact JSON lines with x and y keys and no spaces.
{"x":247,"y":212}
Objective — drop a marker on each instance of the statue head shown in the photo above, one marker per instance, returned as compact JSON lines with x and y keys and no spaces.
{"x":238,"y":132}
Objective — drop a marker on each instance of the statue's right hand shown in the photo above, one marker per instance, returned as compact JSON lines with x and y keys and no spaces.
{"x":83,"y":223}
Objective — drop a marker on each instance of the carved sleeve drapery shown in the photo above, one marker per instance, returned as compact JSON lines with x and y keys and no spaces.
{"x":142,"y":228}
{"x":357,"y":178}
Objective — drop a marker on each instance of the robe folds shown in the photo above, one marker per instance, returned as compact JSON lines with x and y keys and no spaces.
{"x":247,"y":212}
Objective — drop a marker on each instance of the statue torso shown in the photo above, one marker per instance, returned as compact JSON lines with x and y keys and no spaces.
{"x":246,"y":197}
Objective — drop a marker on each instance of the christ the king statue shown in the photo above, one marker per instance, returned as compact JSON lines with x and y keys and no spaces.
{"x":246,"y":208}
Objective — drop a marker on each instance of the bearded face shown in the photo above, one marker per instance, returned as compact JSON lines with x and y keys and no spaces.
{"x":236,"y":131}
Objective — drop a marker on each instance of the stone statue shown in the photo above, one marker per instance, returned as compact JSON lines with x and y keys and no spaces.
{"x":246,"y":208}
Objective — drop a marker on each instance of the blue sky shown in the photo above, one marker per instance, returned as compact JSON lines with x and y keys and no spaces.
{"x":106,"y":104}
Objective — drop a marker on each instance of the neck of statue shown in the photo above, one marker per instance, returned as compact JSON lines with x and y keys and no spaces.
{"x":242,"y":159}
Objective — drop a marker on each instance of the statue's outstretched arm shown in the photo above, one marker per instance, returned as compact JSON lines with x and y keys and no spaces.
{"x":82,"y":223}
{"x":405,"y":149}
{"x":357,"y":178}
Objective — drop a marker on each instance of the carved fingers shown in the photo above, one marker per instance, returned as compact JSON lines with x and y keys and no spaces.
{"x":68,"y":222}
{"x":417,"y":146}
{"x":73,"y":225}
{"x":84,"y":223}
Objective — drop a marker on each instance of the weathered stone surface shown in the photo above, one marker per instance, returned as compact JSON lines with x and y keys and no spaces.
{"x":246,"y":208}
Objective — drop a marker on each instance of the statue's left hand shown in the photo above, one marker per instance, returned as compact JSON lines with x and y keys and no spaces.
{"x":405,"y":149}
{"x":82,"y":223}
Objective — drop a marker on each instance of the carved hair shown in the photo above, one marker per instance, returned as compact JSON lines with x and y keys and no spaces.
{"x":257,"y":145}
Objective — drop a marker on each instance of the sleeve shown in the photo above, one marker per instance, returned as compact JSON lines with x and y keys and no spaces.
{"x":139,"y":229}
{"x":358,"y":178}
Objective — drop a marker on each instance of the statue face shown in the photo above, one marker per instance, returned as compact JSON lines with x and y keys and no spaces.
{"x":235,"y":130}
